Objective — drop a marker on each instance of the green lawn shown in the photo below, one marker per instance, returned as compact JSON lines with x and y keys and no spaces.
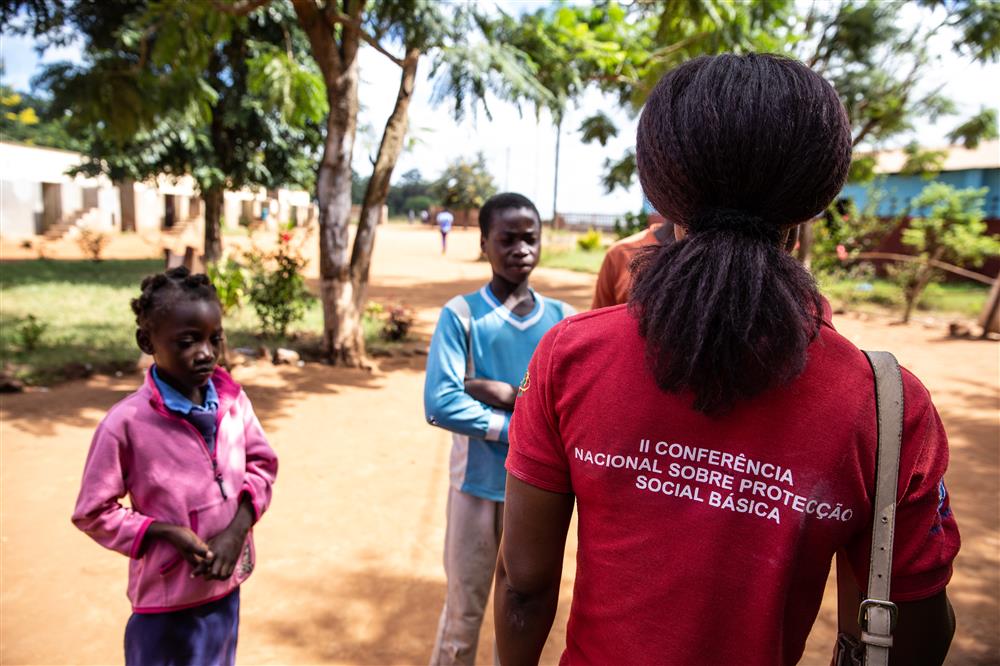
{"x":963,"y":299}
{"x":573,"y":259}
{"x":84,"y":308}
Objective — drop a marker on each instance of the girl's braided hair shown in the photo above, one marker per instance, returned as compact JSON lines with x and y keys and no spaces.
{"x":163,"y":289}
{"x":737,"y":150}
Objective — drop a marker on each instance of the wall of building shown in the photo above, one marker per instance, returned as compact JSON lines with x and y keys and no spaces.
{"x":898,"y":191}
{"x":28,"y":173}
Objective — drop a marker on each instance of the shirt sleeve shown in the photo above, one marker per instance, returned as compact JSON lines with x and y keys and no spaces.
{"x":537,"y":455}
{"x":261,"y":461}
{"x":604,"y":292}
{"x":98,"y":512}
{"x":926,"y":534}
{"x":446,"y":404}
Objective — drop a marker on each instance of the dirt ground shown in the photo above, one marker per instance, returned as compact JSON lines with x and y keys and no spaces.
{"x":349,"y":556}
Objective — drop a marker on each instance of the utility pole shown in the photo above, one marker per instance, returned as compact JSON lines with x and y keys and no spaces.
{"x":555,"y":184}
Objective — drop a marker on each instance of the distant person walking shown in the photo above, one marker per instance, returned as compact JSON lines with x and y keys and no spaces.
{"x":444,"y":220}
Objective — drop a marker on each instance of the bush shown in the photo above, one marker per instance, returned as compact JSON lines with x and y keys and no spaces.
{"x":277,"y":289}
{"x":29,"y":333}
{"x":589,"y":241}
{"x":417,"y":204}
{"x":398,"y":321}
{"x":230,"y":281}
{"x":632,"y":223}
{"x":93,"y":243}
{"x":392,"y":324}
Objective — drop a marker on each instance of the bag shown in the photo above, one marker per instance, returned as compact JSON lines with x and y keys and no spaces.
{"x":865,"y":625}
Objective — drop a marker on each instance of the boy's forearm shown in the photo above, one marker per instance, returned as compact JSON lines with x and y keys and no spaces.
{"x":500,"y":395}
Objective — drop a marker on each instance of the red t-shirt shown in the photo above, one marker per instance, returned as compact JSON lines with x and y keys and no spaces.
{"x":708,"y":541}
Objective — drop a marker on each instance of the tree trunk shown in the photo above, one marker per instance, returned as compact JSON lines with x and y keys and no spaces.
{"x":806,"y":236}
{"x":912,"y":291}
{"x":341,"y":318}
{"x":214,"y":197}
{"x":126,"y":199}
{"x":377,"y":191}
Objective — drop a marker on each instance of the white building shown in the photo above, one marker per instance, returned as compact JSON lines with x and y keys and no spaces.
{"x":38,"y":197}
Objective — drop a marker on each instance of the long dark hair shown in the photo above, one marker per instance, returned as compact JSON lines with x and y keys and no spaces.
{"x":737,"y":150}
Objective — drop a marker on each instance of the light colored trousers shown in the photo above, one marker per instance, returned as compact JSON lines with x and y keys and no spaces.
{"x":471,"y":544}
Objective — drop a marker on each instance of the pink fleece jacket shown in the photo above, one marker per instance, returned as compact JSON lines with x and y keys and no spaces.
{"x":163,"y":464}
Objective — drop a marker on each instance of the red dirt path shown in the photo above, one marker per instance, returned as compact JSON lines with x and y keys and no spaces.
{"x":350,"y":553}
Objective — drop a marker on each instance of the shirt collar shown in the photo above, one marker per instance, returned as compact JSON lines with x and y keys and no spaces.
{"x":174,"y":401}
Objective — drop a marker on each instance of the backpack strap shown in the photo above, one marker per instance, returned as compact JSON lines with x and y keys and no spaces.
{"x":876,"y":614}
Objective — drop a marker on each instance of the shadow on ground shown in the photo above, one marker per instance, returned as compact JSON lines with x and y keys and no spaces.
{"x":373,"y":618}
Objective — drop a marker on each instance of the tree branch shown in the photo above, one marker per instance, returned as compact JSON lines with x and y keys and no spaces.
{"x":241,"y":8}
{"x":336,"y":17}
{"x":321,"y":39}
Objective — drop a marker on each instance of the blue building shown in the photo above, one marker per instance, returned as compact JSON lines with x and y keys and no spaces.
{"x":962,"y":168}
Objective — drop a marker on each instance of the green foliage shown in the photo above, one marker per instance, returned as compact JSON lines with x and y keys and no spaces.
{"x":623,"y":49}
{"x":862,"y":169}
{"x":465,"y":184}
{"x":181,"y":88}
{"x":410,"y":192}
{"x":859,"y":45}
{"x":950,"y":225}
{"x":29,"y":332}
{"x":572,"y":259}
{"x":589,"y":241}
{"x":619,"y":173}
{"x":847,"y":231}
{"x":229,"y":278}
{"x":25,"y":118}
{"x":391,"y":323}
{"x":980,"y":127}
{"x":950,"y":228}
{"x":277,"y":287}
{"x":922,"y":162}
{"x":417,"y":203}
{"x":631,"y":223}
{"x":598,"y":127}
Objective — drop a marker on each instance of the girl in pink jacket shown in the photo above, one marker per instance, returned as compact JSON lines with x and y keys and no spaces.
{"x":190,"y":454}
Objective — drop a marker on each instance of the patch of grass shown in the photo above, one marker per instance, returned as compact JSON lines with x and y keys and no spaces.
{"x":574,"y":259}
{"x":88,"y":322}
{"x":945,"y":299}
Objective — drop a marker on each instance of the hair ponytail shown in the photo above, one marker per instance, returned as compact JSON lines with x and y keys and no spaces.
{"x":724,"y":314}
{"x":737,"y":150}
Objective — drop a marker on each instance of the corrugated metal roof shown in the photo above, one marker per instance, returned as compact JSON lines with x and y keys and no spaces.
{"x":985,"y":156}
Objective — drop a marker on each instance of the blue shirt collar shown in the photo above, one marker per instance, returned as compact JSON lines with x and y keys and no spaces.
{"x":176,"y":402}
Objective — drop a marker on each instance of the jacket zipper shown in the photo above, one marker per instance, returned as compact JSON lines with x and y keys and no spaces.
{"x":216,"y":474}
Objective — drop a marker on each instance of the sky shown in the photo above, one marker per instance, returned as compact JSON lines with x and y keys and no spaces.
{"x":519,"y":146}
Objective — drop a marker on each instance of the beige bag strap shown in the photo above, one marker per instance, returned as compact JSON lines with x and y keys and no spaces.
{"x":877,"y":615}
{"x":873,"y":618}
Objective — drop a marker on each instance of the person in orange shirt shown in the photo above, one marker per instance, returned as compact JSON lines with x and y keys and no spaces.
{"x":614,"y":278}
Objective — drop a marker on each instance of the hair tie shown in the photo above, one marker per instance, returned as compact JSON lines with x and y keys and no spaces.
{"x":732,"y":221}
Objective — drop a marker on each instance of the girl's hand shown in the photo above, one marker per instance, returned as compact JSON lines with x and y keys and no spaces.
{"x":227,"y":545}
{"x":195,"y":551}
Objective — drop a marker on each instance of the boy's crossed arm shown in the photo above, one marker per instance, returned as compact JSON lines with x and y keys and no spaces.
{"x":500,"y":395}
{"x":473,"y":407}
